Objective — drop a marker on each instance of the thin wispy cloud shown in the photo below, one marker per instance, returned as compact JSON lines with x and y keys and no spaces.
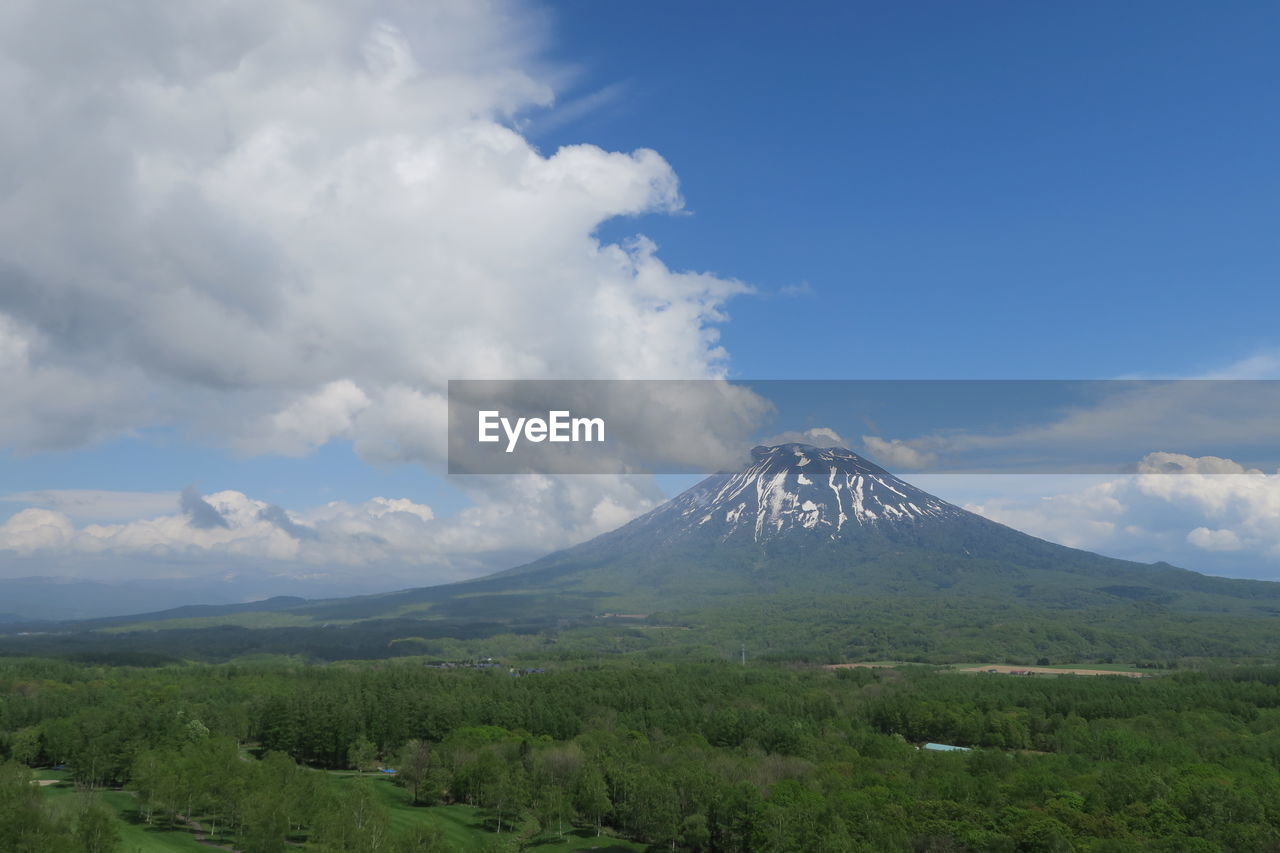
{"x":572,"y":110}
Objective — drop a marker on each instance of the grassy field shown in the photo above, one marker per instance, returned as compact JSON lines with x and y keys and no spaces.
{"x":135,"y":836}
{"x":253,"y":619}
{"x":463,"y":826}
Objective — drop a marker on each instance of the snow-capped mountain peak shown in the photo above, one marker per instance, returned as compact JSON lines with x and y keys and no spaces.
{"x":790,"y":488}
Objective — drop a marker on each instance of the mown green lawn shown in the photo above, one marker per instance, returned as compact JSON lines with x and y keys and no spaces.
{"x":463,"y":826}
{"x":135,"y":836}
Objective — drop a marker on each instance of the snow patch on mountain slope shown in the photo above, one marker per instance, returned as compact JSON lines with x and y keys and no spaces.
{"x":790,"y":487}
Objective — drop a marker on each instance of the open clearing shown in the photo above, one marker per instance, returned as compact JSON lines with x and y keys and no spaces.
{"x":1052,"y":670}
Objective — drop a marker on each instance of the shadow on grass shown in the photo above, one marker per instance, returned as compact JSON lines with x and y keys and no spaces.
{"x":580,"y":838}
{"x":585,"y":838}
{"x":131,"y":817}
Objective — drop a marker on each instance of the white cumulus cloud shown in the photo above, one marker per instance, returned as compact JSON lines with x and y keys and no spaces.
{"x":275,"y":225}
{"x":511,"y":520}
{"x":1206,"y":513}
{"x":281,"y":224}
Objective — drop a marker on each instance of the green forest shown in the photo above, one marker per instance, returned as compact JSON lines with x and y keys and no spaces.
{"x":275,"y":755}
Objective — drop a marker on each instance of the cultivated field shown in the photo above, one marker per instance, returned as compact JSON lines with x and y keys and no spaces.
{"x":1052,"y":670}
{"x":1055,"y":669}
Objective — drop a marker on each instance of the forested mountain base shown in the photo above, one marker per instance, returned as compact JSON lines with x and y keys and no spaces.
{"x":827,"y":628}
{"x":698,"y":757}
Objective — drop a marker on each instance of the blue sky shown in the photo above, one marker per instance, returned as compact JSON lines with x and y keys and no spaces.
{"x":926,"y":190}
{"x":972,"y":190}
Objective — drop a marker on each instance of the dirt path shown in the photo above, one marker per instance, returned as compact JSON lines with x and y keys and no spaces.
{"x":202,"y":837}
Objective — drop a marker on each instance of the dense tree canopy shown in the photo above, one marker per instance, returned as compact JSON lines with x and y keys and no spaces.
{"x":698,"y":757}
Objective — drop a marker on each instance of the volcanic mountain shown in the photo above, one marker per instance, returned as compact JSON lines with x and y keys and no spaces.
{"x":805,"y":548}
{"x":796,"y":493}
{"x":809,"y":521}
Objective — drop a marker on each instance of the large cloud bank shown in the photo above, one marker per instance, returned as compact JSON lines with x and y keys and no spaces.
{"x":402,"y":542}
{"x":280,"y":224}
{"x":271,"y":226}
